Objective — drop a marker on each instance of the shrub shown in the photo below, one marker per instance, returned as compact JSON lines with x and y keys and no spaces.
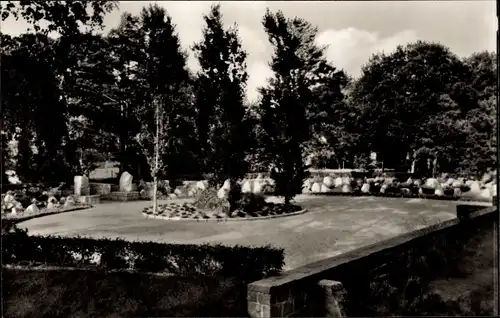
{"x":251,"y":202}
{"x":208,"y":200}
{"x":164,"y":187}
{"x":234,"y":196}
{"x":182,"y":259}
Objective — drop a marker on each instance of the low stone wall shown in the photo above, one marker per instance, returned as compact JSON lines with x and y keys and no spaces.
{"x":122,"y":196}
{"x":100,"y":188}
{"x":395,"y":276}
{"x":90,"y":199}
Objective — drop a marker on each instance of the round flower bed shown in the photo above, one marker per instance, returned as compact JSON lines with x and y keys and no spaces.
{"x":187,"y":211}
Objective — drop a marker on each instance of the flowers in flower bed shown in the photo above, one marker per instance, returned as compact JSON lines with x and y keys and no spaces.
{"x":176,"y":210}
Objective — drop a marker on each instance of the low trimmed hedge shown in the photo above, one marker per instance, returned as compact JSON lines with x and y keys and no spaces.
{"x":62,"y":292}
{"x":180,"y":259}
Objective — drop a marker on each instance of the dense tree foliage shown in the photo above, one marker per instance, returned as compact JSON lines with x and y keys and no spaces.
{"x":33,"y":112}
{"x":166,"y":79}
{"x":220,"y":100}
{"x":34,"y":107}
{"x":296,"y":108}
{"x":420,"y":96}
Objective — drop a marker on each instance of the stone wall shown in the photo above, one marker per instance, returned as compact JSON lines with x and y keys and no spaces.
{"x":397,"y":276}
{"x":122,"y":196}
{"x":100,"y":188}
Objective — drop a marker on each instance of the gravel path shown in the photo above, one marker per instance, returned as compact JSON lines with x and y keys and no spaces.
{"x":331,"y":226}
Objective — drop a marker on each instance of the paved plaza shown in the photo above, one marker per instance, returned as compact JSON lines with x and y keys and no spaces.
{"x":331,"y":226}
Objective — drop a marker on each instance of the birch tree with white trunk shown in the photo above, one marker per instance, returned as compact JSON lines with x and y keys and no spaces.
{"x":153,"y":142}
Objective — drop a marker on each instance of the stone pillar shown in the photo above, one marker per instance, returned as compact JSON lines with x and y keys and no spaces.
{"x":268,"y":303}
{"x":82,"y":186}
{"x":334,"y":296}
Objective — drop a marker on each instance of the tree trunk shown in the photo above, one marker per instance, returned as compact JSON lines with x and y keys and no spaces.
{"x":157,"y":154}
{"x":122,"y":137}
{"x":122,"y":153}
{"x":287,"y":200}
{"x":155,"y":190}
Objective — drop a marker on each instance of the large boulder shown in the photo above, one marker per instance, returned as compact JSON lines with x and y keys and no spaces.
{"x":227,"y":185}
{"x":324,"y":188}
{"x":201,"y":185}
{"x":51,"y":199}
{"x":69,"y":202}
{"x":247,"y":186}
{"x":338,"y":182}
{"x":126,"y":182}
{"x":432,"y":183}
{"x":12,"y":204}
{"x":383,"y":188}
{"x":365,"y":188}
{"x":193,"y":192}
{"x":450,"y":181}
{"x":457,"y":192}
{"x":316,"y":188}
{"x":486,"y":194}
{"x":222,"y":193}
{"x":52,"y":206}
{"x":258,"y":186}
{"x":9,"y":198}
{"x":439,"y":192}
{"x":178,"y":192}
{"x":328,"y":181}
{"x":475,"y":187}
{"x":32,"y":208}
{"x":389,"y":181}
{"x":346,"y":188}
{"x":346,"y":180}
{"x":82,"y":186}
{"x":457,"y":184}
